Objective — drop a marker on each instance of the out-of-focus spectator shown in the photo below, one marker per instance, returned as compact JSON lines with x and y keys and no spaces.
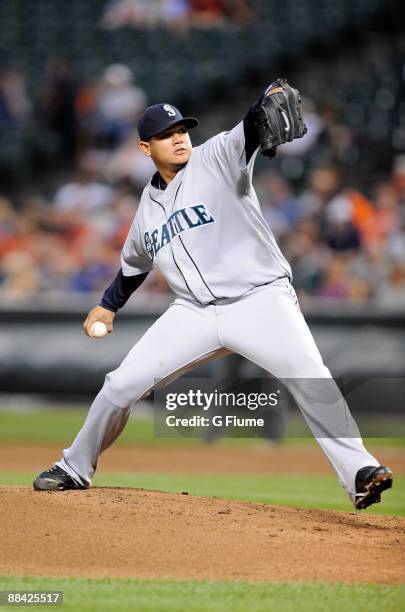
{"x":396,"y":241}
{"x":119,"y":104}
{"x":176,"y":15}
{"x":86,"y":113}
{"x":362,"y":211}
{"x":279,"y":205}
{"x":398,"y":179}
{"x":371,"y":266}
{"x":377,"y":227}
{"x":392,"y":291}
{"x":21,"y":234}
{"x":56,"y":106}
{"x":239,"y":11}
{"x":14,"y":104}
{"x":359,"y":291}
{"x":323,"y":183}
{"x":144,"y":13}
{"x":336,"y":279}
{"x":20,"y":274}
{"x":7,"y":223}
{"x":207,"y":13}
{"x":123,"y":208}
{"x":340,"y":232}
{"x":337,"y":141}
{"x":128,"y":162}
{"x":84,"y":195}
{"x":98,"y":264}
{"x":55,"y":263}
{"x":121,"y":13}
{"x":307,"y":257}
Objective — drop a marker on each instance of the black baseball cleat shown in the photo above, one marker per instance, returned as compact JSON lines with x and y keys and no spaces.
{"x":55,"y":479}
{"x":371,"y":481}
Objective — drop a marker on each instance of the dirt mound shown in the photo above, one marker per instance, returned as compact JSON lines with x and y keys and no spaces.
{"x":135,"y":533}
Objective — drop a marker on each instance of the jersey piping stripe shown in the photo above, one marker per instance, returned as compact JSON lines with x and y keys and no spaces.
{"x":183,"y":245}
{"x":171,"y":249}
{"x":196,"y":267}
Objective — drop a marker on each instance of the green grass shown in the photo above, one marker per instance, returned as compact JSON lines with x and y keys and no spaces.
{"x":61,"y":426}
{"x":82,"y":594}
{"x":300,"y":491}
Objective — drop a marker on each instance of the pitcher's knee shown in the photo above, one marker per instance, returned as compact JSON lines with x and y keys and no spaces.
{"x":315,"y":370}
{"x":121,"y":389}
{"x":295,"y":366}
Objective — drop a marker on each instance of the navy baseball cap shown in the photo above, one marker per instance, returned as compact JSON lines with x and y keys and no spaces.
{"x":160,"y":117}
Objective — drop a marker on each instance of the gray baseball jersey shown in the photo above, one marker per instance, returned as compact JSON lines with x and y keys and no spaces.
{"x":205,"y":232}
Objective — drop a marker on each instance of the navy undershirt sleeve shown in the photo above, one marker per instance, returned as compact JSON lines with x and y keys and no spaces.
{"x":120,"y":290}
{"x":252,"y":141}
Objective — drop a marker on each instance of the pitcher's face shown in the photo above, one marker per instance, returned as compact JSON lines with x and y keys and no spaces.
{"x":170,"y":148}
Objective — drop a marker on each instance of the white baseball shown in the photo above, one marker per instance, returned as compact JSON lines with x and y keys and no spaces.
{"x":99,"y":329}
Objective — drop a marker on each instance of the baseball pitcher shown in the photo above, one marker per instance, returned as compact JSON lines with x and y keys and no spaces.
{"x":200,"y":223}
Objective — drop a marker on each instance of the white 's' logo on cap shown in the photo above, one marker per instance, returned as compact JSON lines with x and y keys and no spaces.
{"x":169,"y":110}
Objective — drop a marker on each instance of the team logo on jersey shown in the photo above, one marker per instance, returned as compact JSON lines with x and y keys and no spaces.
{"x":169,"y":110}
{"x":178,"y":222}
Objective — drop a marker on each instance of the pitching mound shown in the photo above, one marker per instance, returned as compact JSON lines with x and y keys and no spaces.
{"x":106,"y":532}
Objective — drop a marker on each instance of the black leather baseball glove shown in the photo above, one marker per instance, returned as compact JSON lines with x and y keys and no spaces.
{"x":278,"y":116}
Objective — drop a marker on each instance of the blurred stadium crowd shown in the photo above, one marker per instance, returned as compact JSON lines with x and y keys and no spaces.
{"x":177,"y":15}
{"x":335,"y":200}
